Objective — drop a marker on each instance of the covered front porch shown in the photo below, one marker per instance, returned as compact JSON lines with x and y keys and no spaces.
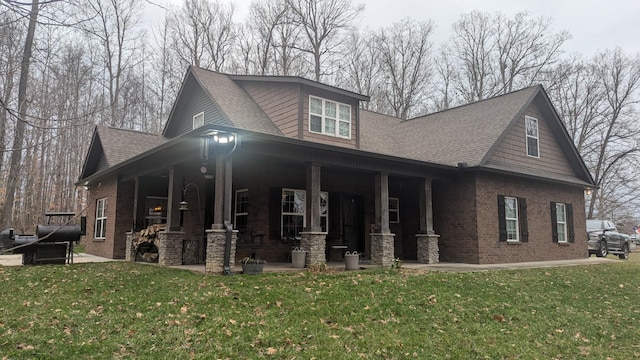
{"x":256,"y":197}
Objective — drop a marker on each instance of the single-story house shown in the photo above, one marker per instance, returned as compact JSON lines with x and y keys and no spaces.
{"x":257,"y":165}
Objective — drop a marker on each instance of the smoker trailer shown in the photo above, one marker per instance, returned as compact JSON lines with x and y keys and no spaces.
{"x":51,"y":244}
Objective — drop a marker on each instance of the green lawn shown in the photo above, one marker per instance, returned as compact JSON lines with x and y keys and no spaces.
{"x":135,"y":311}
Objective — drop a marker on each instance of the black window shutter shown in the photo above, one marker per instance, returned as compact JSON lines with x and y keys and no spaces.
{"x":524,"y":229}
{"x":502,"y":220}
{"x":572,"y":234}
{"x":275,"y":209}
{"x":554,"y":222}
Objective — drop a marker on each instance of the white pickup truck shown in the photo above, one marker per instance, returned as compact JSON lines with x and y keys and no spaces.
{"x":604,"y":239}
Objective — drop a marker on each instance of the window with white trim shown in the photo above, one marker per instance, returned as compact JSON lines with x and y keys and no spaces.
{"x":394,"y":210}
{"x":329,"y":117}
{"x":562,"y":229}
{"x":511,"y":217}
{"x":561,"y":222}
{"x":198,"y":120}
{"x":531,"y":125}
{"x":101,"y":219}
{"x":293,"y":215}
{"x":241,"y":209}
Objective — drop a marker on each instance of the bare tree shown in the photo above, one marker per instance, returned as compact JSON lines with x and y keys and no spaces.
{"x":619,"y":75}
{"x":16,"y":156}
{"x":525,"y":48}
{"x":203,"y":33}
{"x":11,"y":48}
{"x":322,"y":21}
{"x":473,"y":51}
{"x":361,"y":68}
{"x":257,"y":45}
{"x":495,"y":54}
{"x":405,"y":53}
{"x":112,"y":23}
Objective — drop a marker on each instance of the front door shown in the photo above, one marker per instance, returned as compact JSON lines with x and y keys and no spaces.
{"x":352,"y":222}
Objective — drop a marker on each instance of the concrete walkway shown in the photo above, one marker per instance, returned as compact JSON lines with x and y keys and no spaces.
{"x":16,"y":260}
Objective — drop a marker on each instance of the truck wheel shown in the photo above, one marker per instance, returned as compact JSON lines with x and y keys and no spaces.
{"x":602,"y":249}
{"x":625,"y":252}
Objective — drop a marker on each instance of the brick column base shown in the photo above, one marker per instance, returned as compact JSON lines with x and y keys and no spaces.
{"x":130,"y":251}
{"x":216,"y":240}
{"x":170,"y":247}
{"x":315,"y":244}
{"x":428,"y":251}
{"x":382,"y":249}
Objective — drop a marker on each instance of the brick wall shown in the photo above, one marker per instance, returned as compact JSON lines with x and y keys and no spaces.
{"x":466,"y":218}
{"x":455,"y":219}
{"x":539,"y":195}
{"x":106,"y":189}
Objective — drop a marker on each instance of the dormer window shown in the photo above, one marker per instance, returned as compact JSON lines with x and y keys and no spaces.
{"x":198,"y":120}
{"x":329,"y":117}
{"x":531,"y":125}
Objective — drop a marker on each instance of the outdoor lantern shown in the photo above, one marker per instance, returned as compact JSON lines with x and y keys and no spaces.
{"x":184,"y":206}
{"x":219,"y":143}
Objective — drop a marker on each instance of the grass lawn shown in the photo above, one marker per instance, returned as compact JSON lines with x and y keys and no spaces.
{"x":134,"y":311}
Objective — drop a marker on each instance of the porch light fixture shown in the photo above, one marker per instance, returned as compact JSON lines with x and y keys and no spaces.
{"x":224,"y":142}
{"x":588,"y":191}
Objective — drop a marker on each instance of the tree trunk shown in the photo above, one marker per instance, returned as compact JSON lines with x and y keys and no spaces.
{"x":16,"y":155}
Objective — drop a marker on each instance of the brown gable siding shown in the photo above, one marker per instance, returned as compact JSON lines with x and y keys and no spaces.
{"x":326,"y":139}
{"x":513,"y":149}
{"x":279,"y":102}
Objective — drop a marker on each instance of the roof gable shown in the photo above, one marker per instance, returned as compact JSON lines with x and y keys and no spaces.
{"x":111,"y":146}
{"x":221,"y":99}
{"x":469,"y":135}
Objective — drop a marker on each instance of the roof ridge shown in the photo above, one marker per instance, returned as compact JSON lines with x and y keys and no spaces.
{"x":473,"y":103}
{"x":129,"y":130}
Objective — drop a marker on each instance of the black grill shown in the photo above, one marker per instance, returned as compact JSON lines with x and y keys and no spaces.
{"x":51,"y":244}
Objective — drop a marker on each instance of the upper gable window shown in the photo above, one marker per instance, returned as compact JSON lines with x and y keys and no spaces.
{"x":329,"y":117}
{"x":198,"y":120}
{"x":531,"y":125}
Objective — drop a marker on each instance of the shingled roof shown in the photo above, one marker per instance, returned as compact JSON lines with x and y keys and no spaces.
{"x":117,"y":145}
{"x":240,"y":109}
{"x":462,"y":134}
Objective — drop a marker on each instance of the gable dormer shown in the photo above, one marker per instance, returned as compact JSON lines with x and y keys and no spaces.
{"x":307,"y":110}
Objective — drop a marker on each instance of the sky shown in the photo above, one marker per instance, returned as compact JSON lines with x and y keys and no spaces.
{"x":594,"y":25}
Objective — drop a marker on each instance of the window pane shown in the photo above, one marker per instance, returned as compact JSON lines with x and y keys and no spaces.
{"x":532,"y":127}
{"x":324,"y":203}
{"x":315,"y":124}
{"x":532,"y":146}
{"x":560,"y":215}
{"x":512,"y":230}
{"x":345,"y":112}
{"x":345,"y":129}
{"x":292,"y":225}
{"x":298,"y":201}
{"x":510,"y":208}
{"x":562,"y":235}
{"x":330,"y":109}
{"x":315,"y":106}
{"x":330,"y":126}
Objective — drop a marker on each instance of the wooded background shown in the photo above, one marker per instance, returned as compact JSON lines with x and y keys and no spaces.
{"x":66,"y":66}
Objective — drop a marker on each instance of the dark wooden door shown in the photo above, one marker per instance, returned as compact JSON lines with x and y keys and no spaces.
{"x":352,"y":222}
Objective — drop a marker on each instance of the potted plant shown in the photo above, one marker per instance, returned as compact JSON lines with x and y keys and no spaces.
{"x":352,"y":260}
{"x":298,"y":257}
{"x":252,"y":266}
